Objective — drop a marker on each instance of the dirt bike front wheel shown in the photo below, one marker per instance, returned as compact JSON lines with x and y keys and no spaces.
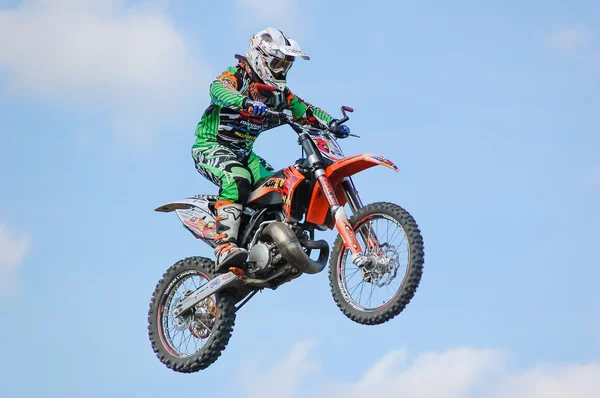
{"x":194,"y":341}
{"x":378,"y":292}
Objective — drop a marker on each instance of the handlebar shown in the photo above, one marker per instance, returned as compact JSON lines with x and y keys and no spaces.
{"x":280,"y":115}
{"x":289,"y":120}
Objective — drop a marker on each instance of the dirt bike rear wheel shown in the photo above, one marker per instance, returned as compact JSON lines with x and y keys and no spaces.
{"x":345,"y":292}
{"x":211,"y":325}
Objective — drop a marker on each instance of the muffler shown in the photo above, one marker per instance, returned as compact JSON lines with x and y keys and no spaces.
{"x":291,"y":249}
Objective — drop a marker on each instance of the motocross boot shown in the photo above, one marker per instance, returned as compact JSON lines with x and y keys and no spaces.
{"x":227,"y":253}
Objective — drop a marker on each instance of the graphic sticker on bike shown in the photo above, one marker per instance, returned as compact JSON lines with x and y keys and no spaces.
{"x":329,"y":148}
{"x":293,"y":178}
{"x":201,"y":225}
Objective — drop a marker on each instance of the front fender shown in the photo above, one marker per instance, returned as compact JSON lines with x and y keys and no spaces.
{"x":353,"y":164}
{"x":346,"y":167}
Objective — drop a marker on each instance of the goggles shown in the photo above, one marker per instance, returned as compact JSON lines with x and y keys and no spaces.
{"x":279,"y":65}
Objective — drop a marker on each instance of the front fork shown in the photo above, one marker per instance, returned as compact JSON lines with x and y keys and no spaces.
{"x":341,"y":219}
{"x":354,"y":200}
{"x":355,"y":203}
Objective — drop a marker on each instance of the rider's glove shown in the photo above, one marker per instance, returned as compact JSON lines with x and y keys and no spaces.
{"x":255,"y":107}
{"x":341,"y":131}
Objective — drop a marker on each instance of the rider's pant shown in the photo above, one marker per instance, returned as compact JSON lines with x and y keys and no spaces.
{"x":234,"y":173}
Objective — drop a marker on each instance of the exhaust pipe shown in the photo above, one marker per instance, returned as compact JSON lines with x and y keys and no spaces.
{"x":290,"y":248}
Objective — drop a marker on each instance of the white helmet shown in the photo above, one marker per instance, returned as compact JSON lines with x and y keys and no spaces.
{"x":271,"y":54}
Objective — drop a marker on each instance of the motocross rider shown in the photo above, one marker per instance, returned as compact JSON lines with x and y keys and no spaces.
{"x":228,"y":128}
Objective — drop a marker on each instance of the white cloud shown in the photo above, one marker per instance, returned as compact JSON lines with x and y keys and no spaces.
{"x":567,"y":40}
{"x":103,"y":54}
{"x":283,"y":379}
{"x":13,"y":250}
{"x":552,"y":381}
{"x":458,"y":373}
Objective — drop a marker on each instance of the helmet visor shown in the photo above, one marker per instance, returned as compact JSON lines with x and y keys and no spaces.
{"x":281,"y":66}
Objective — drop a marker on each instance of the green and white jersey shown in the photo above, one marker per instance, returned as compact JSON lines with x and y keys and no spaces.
{"x":227,"y":121}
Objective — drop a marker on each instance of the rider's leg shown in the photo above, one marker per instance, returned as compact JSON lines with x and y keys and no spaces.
{"x":259,"y":168}
{"x":221,"y":166}
{"x":227,"y":253}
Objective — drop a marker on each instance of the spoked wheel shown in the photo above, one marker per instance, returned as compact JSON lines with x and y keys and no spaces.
{"x":376,"y":293}
{"x":193,"y":341}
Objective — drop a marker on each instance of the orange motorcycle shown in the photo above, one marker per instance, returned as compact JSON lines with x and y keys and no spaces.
{"x":375,"y":265}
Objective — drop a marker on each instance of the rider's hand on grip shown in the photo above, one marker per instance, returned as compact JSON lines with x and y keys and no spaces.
{"x":339,"y":131}
{"x":256,"y":108}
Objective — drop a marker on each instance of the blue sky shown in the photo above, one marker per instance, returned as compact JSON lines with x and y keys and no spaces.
{"x":489,"y":110}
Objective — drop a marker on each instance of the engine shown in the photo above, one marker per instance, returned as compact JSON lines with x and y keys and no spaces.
{"x":264,"y":257}
{"x":276,"y":244}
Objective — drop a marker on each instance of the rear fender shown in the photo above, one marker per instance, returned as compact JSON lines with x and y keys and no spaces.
{"x":196,"y":216}
{"x":336,"y":172}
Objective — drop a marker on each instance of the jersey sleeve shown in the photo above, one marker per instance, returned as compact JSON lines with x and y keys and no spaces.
{"x":305,"y":112}
{"x":224,"y":89}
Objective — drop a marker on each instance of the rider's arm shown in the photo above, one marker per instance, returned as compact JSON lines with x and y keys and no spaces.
{"x":224,"y":89}
{"x":305,"y":112}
